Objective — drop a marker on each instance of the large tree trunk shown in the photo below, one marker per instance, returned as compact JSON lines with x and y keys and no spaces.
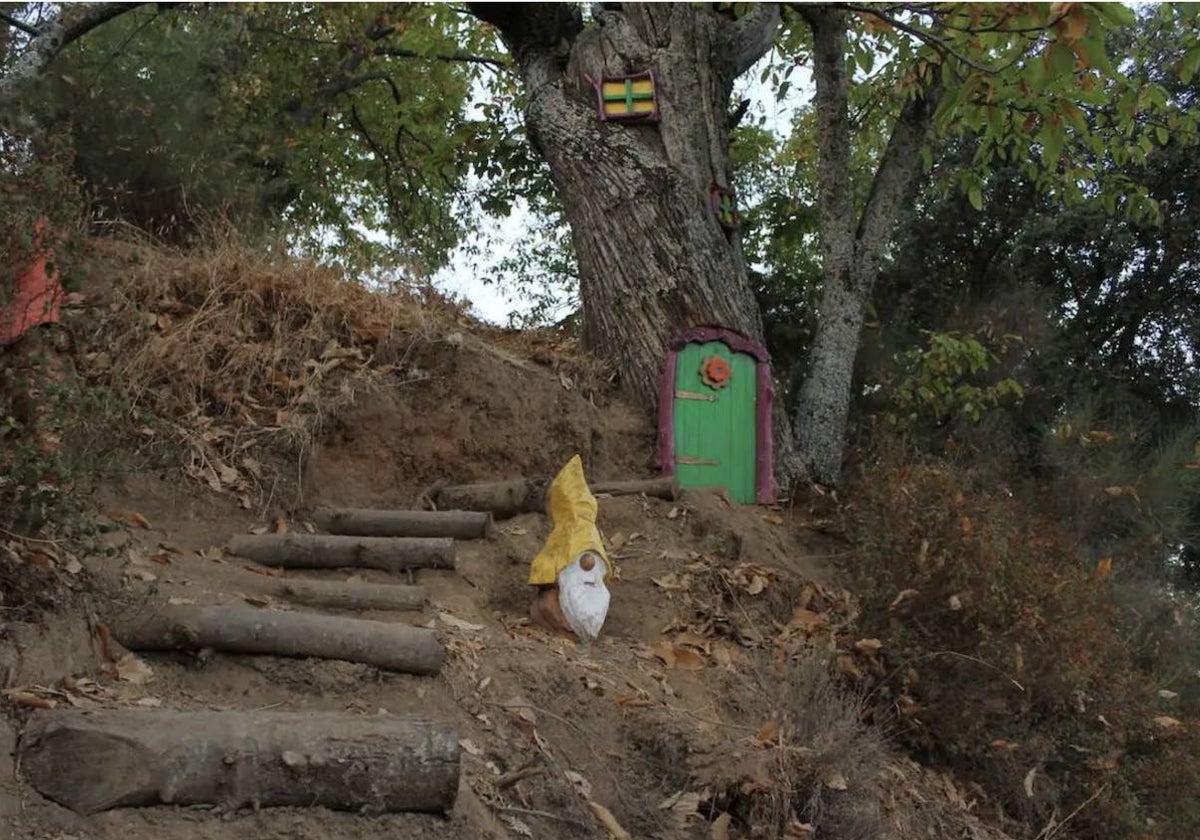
{"x":851,"y":245}
{"x":653,"y":260}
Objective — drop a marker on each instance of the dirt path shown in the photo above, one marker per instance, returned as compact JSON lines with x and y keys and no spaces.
{"x":608,"y":719}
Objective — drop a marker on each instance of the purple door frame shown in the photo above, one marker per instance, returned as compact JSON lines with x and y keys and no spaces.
{"x":765,"y":490}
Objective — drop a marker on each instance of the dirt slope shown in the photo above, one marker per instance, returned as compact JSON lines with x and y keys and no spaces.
{"x":705,"y":710}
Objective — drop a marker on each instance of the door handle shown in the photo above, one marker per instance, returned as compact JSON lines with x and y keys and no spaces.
{"x":692,"y":395}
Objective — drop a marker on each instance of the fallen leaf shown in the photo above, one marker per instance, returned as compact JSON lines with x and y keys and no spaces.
{"x":1119,"y":490}
{"x":141,"y":574}
{"x":606,"y":819}
{"x":148,"y":702}
{"x":772,"y":519}
{"x":257,"y":600}
{"x":955,"y":603}
{"x":128,"y":668}
{"x":73,"y":566}
{"x":797,"y":830}
{"x":517,"y":826}
{"x":848,"y":666}
{"x":767,"y":733}
{"x":807,"y":620}
{"x":633,"y":700}
{"x":757,"y":585}
{"x":720,"y":827}
{"x":258,"y":530}
{"x":1007,"y":746}
{"x":280,"y":525}
{"x":1029,"y":777}
{"x":1103,"y":570}
{"x":673,"y":513}
{"x":458,"y":623}
{"x":581,"y":785}
{"x":1166,"y":694}
{"x":836,"y":781}
{"x":904,"y":596}
{"x":179,"y":602}
{"x":1168,"y":722}
{"x":868,"y":647}
{"x":671,"y":580}
{"x":470,"y":747}
{"x":137,"y":519}
{"x":29,"y":699}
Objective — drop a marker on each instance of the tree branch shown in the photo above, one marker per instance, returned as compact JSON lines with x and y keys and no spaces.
{"x":538,"y":35}
{"x":898,"y":169}
{"x":71,"y":24}
{"x":17,"y":24}
{"x":749,"y":37}
{"x":467,"y":58}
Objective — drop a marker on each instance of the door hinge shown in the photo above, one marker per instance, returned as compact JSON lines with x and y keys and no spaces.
{"x":697,"y":462}
{"x":692,"y":395}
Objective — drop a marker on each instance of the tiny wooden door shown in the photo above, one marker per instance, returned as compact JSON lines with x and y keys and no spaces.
{"x":715,"y":426}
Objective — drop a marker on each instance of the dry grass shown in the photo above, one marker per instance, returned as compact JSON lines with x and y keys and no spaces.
{"x":241,"y":356}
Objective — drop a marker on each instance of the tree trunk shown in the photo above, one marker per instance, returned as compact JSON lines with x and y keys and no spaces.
{"x":394,"y":647}
{"x":111,"y":758}
{"x":653,"y":259}
{"x":851,"y":245}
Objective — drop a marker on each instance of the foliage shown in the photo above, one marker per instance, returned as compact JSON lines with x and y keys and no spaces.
{"x":346,"y":126}
{"x":1006,"y":655}
{"x":943,"y":380}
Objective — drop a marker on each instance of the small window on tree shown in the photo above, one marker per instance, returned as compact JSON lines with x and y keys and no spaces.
{"x":628,"y":98}
{"x":724,"y":207}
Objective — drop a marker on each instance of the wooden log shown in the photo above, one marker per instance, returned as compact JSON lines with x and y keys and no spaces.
{"x":353,"y":596}
{"x":322,"y":551}
{"x":459,"y":524}
{"x":238,"y":629}
{"x":94,"y":760}
{"x":661,"y":488}
{"x":504,"y":499}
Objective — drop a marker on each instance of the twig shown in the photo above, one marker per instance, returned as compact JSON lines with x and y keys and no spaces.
{"x":937,"y":653}
{"x":1052,"y":827}
{"x":11,"y":535}
{"x":546,"y":814}
{"x":510,"y":779}
{"x":726,"y":724}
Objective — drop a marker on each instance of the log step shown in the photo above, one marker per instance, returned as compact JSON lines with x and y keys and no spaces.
{"x":353,"y":596}
{"x":322,"y":551}
{"x":92,"y":761}
{"x":238,"y":629}
{"x":504,"y":499}
{"x":458,"y":524}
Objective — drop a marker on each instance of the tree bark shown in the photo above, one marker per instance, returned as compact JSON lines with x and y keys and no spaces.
{"x":851,"y":246}
{"x":653,"y":259}
{"x":92,"y":761}
{"x":353,"y":596}
{"x":71,"y":24}
{"x":321,"y":551}
{"x":394,"y":647}
{"x":459,"y":524}
{"x":504,"y":499}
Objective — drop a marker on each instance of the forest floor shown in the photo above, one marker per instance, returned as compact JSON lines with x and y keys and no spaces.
{"x":698,"y":712}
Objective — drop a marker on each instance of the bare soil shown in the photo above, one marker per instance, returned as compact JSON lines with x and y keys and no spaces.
{"x":666,"y":720}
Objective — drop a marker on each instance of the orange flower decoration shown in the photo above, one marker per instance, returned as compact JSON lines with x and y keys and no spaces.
{"x":715,"y":372}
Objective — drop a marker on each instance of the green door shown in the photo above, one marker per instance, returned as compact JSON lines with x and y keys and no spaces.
{"x":715,"y":427}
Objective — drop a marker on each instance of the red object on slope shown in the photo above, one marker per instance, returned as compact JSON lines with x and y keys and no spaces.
{"x":37,"y":294}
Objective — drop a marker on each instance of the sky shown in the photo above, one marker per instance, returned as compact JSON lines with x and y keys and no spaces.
{"x":461,"y":278}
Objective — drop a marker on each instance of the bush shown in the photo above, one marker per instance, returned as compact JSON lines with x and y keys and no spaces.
{"x":1010,"y":659}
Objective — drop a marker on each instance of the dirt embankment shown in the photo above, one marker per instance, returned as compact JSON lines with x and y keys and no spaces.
{"x":707,"y":708}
